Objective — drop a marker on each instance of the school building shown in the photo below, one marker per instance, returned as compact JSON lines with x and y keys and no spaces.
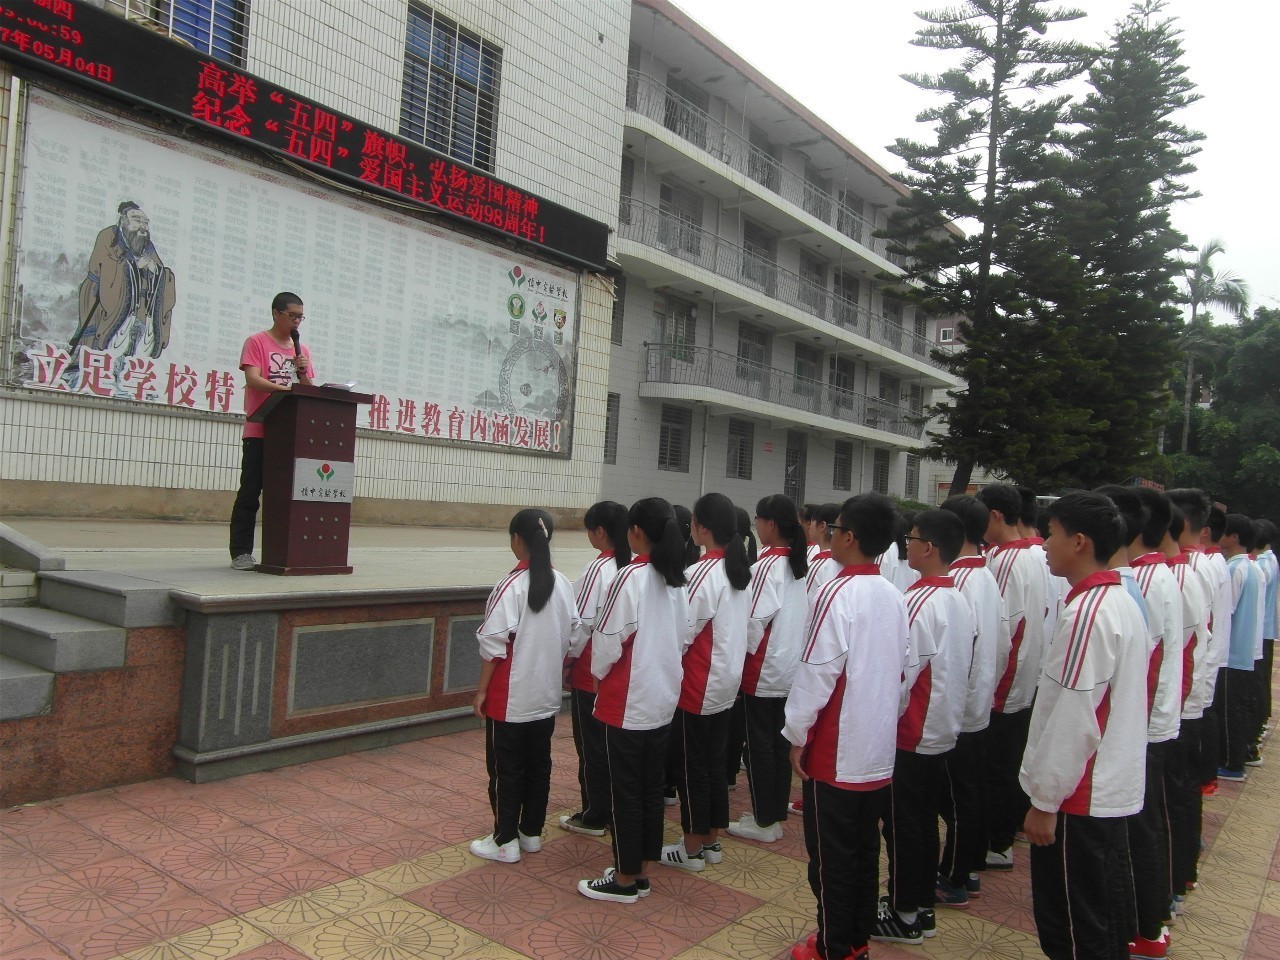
{"x":574,"y":250}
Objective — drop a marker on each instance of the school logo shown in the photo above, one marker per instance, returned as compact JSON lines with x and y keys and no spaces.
{"x":560,"y":318}
{"x":325,"y":471}
{"x":515,"y":306}
{"x":516,"y":275}
{"x":540,"y":313}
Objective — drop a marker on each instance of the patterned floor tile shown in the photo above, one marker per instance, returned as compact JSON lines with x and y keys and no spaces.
{"x":315,"y":906}
{"x":690,"y":906}
{"x":599,"y":932}
{"x":418,"y":871}
{"x":972,"y":938}
{"x":36,"y":950}
{"x":392,"y":931}
{"x":493,"y":902}
{"x":163,"y":824}
{"x":57,"y":846}
{"x":271,"y":950}
{"x":245,"y":896}
{"x":569,"y":857}
{"x":90,"y":895}
{"x":329,"y":829}
{"x":762,"y":934}
{"x":200,"y":934}
{"x":757,"y":872}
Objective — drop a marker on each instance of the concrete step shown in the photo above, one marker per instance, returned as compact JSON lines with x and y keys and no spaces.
{"x":25,"y":691}
{"x":17,"y":587}
{"x":108,"y":597}
{"x":58,"y":641}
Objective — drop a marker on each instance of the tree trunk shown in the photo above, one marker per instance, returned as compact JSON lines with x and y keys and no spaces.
{"x":1186,"y":400}
{"x":960,"y":479}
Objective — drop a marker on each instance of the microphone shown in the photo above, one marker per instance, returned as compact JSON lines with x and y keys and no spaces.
{"x":297,"y":342}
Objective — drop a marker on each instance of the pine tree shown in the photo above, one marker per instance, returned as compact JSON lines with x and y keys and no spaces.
{"x":991,"y":136}
{"x":1128,"y":157}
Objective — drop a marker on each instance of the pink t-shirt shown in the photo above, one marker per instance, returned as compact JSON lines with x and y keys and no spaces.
{"x":276,"y":364}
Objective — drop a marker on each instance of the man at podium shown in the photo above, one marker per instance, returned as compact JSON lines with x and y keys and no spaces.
{"x":272,"y":360}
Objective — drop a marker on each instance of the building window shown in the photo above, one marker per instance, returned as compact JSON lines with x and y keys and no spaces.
{"x":619,"y":305}
{"x":842,"y":475}
{"x":680,"y":329}
{"x":912,"y":489}
{"x":808,"y":370}
{"x":742,"y":439}
{"x":753,"y":352}
{"x":759,"y":257}
{"x":450,"y":97}
{"x":679,"y":221}
{"x":612,"y":415}
{"x":880,"y":472}
{"x":813,"y":284}
{"x":946,"y":334}
{"x":216,"y":27}
{"x":627,"y":185}
{"x":674,"y":438}
{"x":915,"y":400}
{"x":890,"y":389}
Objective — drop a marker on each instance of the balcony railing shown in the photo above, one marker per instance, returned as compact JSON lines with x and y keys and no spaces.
{"x":686,"y":120}
{"x":670,"y":233}
{"x":718,"y":370}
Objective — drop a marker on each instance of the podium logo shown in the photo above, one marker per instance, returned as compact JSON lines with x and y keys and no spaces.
{"x":516,"y":275}
{"x":325,"y":472}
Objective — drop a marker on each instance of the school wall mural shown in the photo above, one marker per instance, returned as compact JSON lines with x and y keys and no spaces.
{"x":145,"y":261}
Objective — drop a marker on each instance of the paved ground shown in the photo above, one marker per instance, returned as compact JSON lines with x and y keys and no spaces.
{"x":365,"y":857}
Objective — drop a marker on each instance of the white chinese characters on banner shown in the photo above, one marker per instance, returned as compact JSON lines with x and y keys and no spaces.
{"x":139,"y":284}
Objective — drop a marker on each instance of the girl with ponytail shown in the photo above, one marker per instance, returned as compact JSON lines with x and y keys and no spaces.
{"x":775,"y":635}
{"x":528,"y":622}
{"x":737,"y":719}
{"x":712,"y":672}
{"x":684,"y":517}
{"x":640,"y":635}
{"x":606,"y":524}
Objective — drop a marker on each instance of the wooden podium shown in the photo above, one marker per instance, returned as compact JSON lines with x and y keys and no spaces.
{"x":308,"y":470}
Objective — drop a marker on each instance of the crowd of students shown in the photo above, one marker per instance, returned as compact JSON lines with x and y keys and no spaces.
{"x":951,"y":671}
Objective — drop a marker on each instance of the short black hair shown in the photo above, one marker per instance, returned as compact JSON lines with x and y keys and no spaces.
{"x":943,"y":529}
{"x":1133,"y":511}
{"x":1241,"y":526}
{"x":1095,"y":516}
{"x":828,"y":513}
{"x":1004,"y":499}
{"x":973,"y":516}
{"x":1264,"y":533}
{"x":1177,"y":521}
{"x":1030,"y":507}
{"x":1158,"y":511}
{"x":871,"y":518}
{"x":1216,"y":522}
{"x":1194,"y":505}
{"x":283,"y":301}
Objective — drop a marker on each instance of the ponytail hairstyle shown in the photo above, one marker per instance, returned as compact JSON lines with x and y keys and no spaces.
{"x":747,"y":533}
{"x":612,"y":517}
{"x":684,"y":518}
{"x":782,"y":511}
{"x":534,"y":528}
{"x":657,"y":521}
{"x":716,"y":512}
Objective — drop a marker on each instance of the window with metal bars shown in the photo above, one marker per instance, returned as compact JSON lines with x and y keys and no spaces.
{"x":912,"y":489}
{"x":619,"y":306}
{"x":612,"y":417}
{"x":219,"y":28}
{"x":742,"y":440}
{"x":674,"y":438}
{"x":449,"y":101}
{"x":880,"y":472}
{"x":842,"y":475}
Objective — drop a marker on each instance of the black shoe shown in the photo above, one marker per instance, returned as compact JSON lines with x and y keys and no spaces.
{"x":891,"y":928}
{"x":928,"y":921}
{"x":607,"y":888}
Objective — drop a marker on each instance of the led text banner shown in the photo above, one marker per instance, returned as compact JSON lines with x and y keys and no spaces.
{"x":88,"y":46}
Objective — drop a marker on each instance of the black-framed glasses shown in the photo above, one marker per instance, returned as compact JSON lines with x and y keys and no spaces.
{"x":921,"y":539}
{"x":836,"y":526}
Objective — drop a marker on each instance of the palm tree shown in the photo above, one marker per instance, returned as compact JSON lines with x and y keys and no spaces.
{"x":1207,"y":289}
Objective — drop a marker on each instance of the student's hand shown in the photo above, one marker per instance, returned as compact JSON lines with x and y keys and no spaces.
{"x":1040,"y":827}
{"x":796,"y":754}
{"x":477,"y":704}
{"x":303,"y":365}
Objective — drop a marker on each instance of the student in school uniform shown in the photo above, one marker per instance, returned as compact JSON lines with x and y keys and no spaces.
{"x":606,"y":524}
{"x":1264,"y":556}
{"x":712,"y":674}
{"x":1182,"y":766}
{"x":934,"y":686}
{"x":841,"y":724}
{"x":737,"y":718}
{"x":1149,"y":850}
{"x":1029,"y":530}
{"x":1083,"y":768}
{"x":812,"y":530}
{"x":636,"y":649}
{"x":1020,"y":578}
{"x":1237,"y":684}
{"x":528,"y":622}
{"x":893,"y":562}
{"x":822,"y":566}
{"x":775,"y":634}
{"x":1222,"y":606}
{"x":964,"y":797}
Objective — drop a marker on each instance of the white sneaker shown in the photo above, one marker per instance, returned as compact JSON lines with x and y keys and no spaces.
{"x":1000,"y":859}
{"x":246,"y":561}
{"x":529,"y":844}
{"x":713,"y":852}
{"x":487,"y":849}
{"x":674,"y":855}
{"x":748,"y":829}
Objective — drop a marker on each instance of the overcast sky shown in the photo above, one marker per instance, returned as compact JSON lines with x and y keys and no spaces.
{"x":843,"y":59}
